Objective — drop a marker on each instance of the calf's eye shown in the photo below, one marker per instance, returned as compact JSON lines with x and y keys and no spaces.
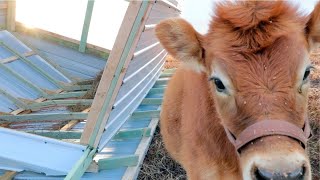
{"x":306,"y":74}
{"x":218,"y":83}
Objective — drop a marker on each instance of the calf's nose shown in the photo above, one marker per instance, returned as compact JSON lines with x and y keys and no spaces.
{"x":264,"y":174}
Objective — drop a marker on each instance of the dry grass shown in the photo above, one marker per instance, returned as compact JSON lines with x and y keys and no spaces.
{"x":89,"y":95}
{"x":159,"y":165}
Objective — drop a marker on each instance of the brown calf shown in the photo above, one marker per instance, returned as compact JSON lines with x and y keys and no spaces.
{"x":246,"y":78}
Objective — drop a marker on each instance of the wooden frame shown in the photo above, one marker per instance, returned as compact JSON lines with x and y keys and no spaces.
{"x":131,"y":28}
{"x":11,"y":15}
{"x":86,"y":26}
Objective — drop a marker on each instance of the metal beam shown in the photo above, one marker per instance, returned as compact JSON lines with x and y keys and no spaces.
{"x":58,"y":134}
{"x":82,"y":164}
{"x":146,"y":114}
{"x":132,"y":134}
{"x":157,"y":91}
{"x":45,"y":117}
{"x":67,"y":95}
{"x":162,"y":82}
{"x":86,"y":26}
{"x":152,"y":101}
{"x":164,"y":75}
{"x":68,"y":102}
{"x":117,"y":162}
{"x":76,"y":87}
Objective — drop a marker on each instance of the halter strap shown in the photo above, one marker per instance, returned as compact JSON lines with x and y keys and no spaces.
{"x":268,"y":128}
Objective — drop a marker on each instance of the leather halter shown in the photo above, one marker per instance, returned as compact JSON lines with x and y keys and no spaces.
{"x":268,"y":128}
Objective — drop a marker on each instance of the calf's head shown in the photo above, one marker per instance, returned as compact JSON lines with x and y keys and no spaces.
{"x":256,"y":57}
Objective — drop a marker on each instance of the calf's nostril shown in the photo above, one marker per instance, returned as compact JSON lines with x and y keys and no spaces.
{"x":263,"y":174}
{"x":297,"y":174}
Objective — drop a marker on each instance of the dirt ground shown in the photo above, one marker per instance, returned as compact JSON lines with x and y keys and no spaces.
{"x":158,"y":164}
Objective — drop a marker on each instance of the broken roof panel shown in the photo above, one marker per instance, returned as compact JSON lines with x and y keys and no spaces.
{"x":75,"y":63}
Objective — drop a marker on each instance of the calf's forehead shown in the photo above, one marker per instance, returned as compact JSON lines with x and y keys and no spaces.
{"x":283,"y":59}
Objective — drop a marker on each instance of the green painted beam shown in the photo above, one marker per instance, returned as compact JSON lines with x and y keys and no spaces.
{"x":157,"y":91}
{"x":86,"y":26}
{"x":77,"y":87}
{"x":67,"y":95}
{"x":163,"y":75}
{"x":162,"y":82}
{"x":145,"y":114}
{"x":23,"y":80}
{"x":32,"y":65}
{"x":58,"y":134}
{"x":82,"y":165}
{"x":44,"y":117}
{"x":117,"y":162}
{"x":132,"y":134}
{"x":15,"y":100}
{"x":169,"y":70}
{"x":152,"y":101}
{"x":68,"y":102}
{"x":93,"y":137}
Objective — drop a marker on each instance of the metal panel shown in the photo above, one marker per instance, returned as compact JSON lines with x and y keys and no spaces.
{"x":36,"y":153}
{"x":147,"y":38}
{"x":139,"y":61}
{"x":73,"y":67}
{"x":6,"y":105}
{"x":29,"y":74}
{"x":37,"y":60}
{"x":135,"y":81}
{"x":13,"y":42}
{"x":119,"y":115}
{"x":15,"y":87}
{"x":77,"y":64}
{"x":161,"y":11}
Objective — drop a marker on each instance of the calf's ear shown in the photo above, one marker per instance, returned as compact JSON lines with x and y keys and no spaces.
{"x":182,"y":41}
{"x":313,"y":28}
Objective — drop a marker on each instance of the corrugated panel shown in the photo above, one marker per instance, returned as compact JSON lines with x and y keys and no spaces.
{"x":6,"y":105}
{"x":15,"y":87}
{"x":78,"y":65}
{"x":28,"y":73}
{"x":161,"y":11}
{"x":129,"y":86}
{"x":139,"y":61}
{"x":120,"y":114}
{"x":13,"y":42}
{"x":39,"y":62}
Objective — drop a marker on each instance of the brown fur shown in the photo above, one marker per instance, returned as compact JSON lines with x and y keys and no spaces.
{"x":260,"y":46}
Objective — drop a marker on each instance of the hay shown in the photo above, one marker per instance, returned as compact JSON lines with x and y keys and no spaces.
{"x":158,"y":164}
{"x":89,"y":95}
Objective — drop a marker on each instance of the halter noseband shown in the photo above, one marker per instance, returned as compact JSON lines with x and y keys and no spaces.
{"x":268,"y":128}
